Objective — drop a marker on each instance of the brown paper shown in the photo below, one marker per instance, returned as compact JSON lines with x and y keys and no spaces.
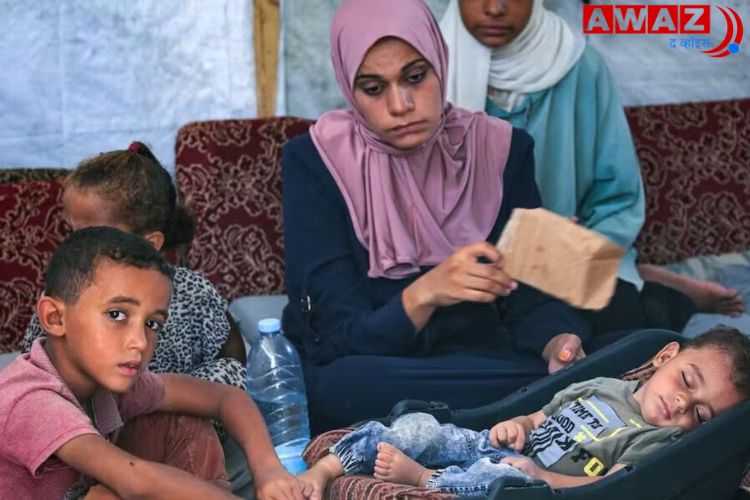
{"x":559,"y":257}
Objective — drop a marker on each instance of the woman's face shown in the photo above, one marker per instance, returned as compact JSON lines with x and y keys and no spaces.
{"x":495,"y":23}
{"x":398,"y":93}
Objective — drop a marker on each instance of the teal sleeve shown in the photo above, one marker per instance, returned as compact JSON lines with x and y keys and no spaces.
{"x":614,"y":204}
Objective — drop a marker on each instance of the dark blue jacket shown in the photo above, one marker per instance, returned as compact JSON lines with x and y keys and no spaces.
{"x":336,"y":310}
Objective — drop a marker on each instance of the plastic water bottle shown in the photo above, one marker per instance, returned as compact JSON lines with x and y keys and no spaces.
{"x":276,"y":384}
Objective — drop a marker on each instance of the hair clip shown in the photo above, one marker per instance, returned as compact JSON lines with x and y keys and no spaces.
{"x":133,"y":148}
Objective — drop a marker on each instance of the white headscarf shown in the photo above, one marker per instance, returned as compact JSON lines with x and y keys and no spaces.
{"x":539,"y":57}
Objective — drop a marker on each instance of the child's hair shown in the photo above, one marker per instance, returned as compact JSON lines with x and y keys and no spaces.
{"x":72,"y":266}
{"x":734,"y":344}
{"x":140,"y":190}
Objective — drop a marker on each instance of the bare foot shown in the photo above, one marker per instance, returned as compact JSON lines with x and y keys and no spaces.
{"x":714,"y":298}
{"x":707,"y":296}
{"x":317,"y":477}
{"x":392,"y":465}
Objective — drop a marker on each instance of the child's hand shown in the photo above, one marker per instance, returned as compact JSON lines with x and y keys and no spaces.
{"x":510,"y":433}
{"x":525,"y":465}
{"x":278,"y":484}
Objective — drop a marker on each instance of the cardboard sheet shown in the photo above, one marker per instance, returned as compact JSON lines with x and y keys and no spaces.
{"x":559,"y":257}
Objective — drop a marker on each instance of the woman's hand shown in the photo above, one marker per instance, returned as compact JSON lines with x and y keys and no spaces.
{"x":562,"y":350}
{"x":460,"y":278}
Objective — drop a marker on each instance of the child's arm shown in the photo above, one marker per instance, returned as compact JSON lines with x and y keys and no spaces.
{"x":240,"y":415}
{"x":131,"y":477}
{"x":529,"y":467}
{"x":513,"y":432}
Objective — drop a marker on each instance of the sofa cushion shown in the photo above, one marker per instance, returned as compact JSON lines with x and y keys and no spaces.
{"x":229,"y":174}
{"x":13,"y":175}
{"x":694,"y":158}
{"x":32,"y":226}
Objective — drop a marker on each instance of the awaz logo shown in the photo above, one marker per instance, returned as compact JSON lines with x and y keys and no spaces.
{"x":735,"y":30}
{"x":689,"y":20}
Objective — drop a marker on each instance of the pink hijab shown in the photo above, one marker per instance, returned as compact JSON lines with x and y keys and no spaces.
{"x":409,"y":208}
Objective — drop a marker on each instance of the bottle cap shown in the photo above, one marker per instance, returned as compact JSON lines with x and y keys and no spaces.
{"x":269,"y":325}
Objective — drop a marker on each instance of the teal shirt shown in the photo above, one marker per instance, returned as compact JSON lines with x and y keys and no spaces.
{"x":585,"y":160}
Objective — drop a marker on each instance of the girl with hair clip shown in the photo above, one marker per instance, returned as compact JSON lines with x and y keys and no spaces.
{"x":391,"y":209}
{"x":130,"y":190}
{"x":520,"y":62}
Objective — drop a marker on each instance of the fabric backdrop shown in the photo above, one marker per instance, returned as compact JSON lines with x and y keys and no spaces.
{"x":84,"y":76}
{"x":646,"y":70}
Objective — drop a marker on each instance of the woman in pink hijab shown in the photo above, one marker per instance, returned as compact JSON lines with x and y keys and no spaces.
{"x":390,"y":211}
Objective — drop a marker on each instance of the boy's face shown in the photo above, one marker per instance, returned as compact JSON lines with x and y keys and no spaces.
{"x":108,"y":336}
{"x":689,"y":387}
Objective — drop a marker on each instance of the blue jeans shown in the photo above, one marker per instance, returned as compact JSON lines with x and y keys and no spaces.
{"x":464,"y":460}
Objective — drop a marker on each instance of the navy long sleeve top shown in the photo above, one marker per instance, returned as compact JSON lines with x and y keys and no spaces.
{"x":336,"y":310}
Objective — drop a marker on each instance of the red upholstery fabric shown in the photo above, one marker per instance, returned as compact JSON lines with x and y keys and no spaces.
{"x":31,"y":226}
{"x":228,"y":172}
{"x":695,"y":160}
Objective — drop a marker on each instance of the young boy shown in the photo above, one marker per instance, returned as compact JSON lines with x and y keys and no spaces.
{"x":589,"y":430}
{"x":105,"y":301}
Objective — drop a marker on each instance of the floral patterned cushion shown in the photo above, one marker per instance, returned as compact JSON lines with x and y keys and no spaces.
{"x":31,"y":226}
{"x":229,"y":174}
{"x":695,"y":160}
{"x":12,"y":175}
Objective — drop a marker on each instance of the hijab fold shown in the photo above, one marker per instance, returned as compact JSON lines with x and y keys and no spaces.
{"x":409,"y":208}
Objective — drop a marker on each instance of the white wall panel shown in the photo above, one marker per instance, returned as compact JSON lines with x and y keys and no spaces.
{"x":83,"y":76}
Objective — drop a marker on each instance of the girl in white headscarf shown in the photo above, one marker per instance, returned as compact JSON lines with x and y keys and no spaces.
{"x":520,"y":62}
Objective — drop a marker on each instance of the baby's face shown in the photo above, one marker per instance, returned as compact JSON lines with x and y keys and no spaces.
{"x":689,"y":388}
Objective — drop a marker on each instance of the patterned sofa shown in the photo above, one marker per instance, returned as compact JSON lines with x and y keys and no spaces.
{"x":695,"y":160}
{"x":228,"y":173}
{"x":31,"y":227}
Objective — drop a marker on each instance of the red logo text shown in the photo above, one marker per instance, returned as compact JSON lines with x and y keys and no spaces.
{"x":646,"y":19}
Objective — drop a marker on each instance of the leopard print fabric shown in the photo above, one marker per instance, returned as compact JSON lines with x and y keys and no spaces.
{"x":196,"y":329}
